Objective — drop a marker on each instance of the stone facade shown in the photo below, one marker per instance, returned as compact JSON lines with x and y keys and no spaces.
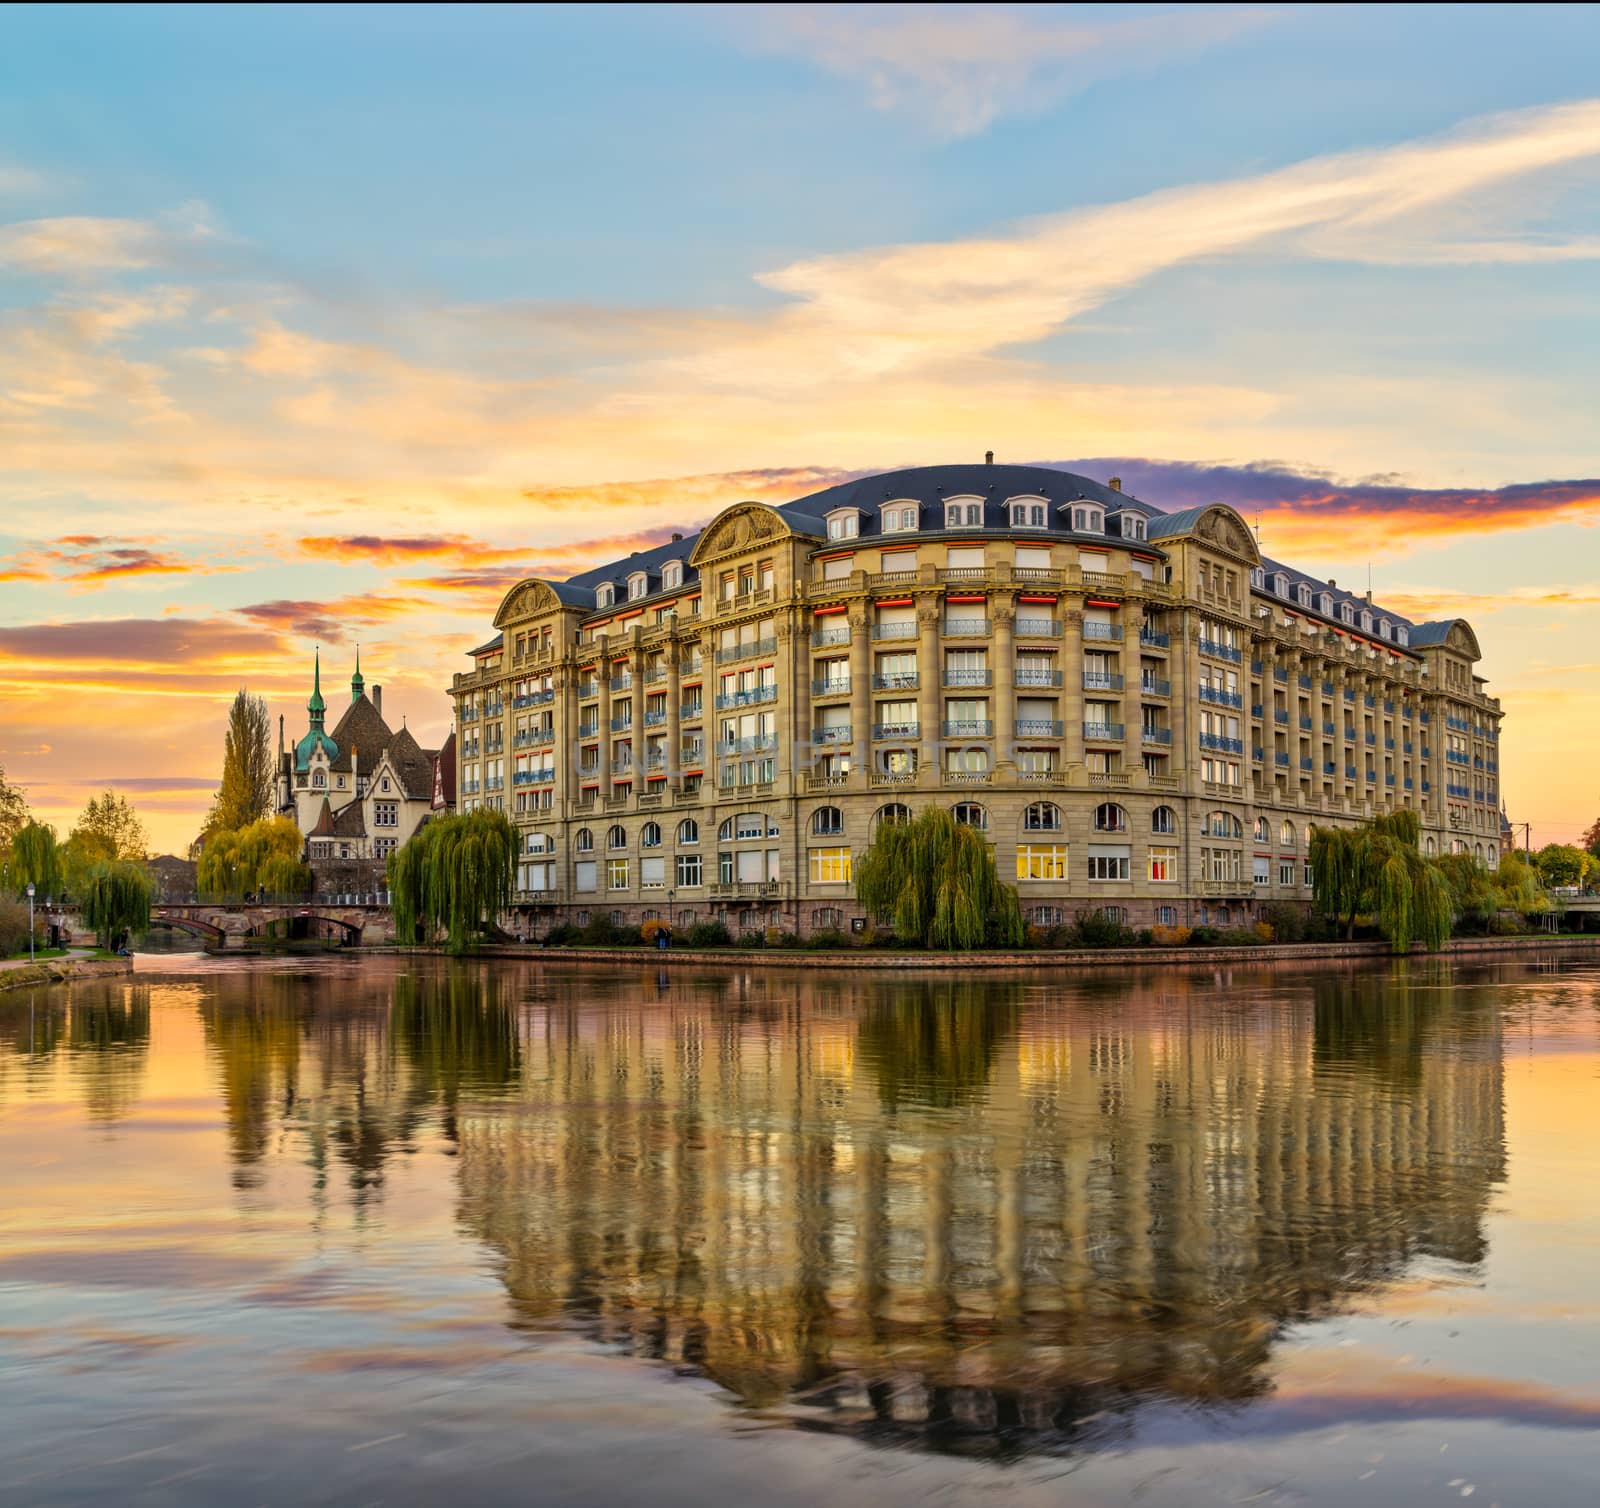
{"x":1144,"y":715}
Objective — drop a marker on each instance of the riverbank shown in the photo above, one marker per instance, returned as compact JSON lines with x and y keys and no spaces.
{"x":19,"y":973}
{"x":1064,"y":958}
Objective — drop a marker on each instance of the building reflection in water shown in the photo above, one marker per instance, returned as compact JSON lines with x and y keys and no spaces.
{"x":103,"y":1036}
{"x":970,"y":1213}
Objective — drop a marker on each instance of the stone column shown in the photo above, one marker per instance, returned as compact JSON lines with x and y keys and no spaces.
{"x":604,"y":682}
{"x":1072,"y":691}
{"x":930,"y":697}
{"x":793,"y":711}
{"x":674,"y":724}
{"x":1004,"y":692}
{"x":860,"y":687}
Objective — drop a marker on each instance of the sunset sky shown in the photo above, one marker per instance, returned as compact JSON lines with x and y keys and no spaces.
{"x":324,"y":326}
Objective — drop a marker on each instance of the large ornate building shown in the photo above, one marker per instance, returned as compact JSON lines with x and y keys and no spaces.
{"x":358,"y":793}
{"x":1144,"y":714}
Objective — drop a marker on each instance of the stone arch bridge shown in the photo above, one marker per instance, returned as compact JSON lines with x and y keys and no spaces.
{"x":222,"y":924}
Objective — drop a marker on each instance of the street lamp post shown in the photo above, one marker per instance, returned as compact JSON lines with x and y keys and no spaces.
{"x":30,"y":921}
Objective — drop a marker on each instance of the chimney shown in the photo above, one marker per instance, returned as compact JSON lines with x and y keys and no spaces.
{"x":988,"y":458}
{"x":677,"y":538}
{"x":1369,"y":595}
{"x":1332,"y":582}
{"x":1116,"y":484}
{"x":377,"y":700}
{"x":280,"y":735}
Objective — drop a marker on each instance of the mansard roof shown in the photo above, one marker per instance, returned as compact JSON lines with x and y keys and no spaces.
{"x":363,"y":730}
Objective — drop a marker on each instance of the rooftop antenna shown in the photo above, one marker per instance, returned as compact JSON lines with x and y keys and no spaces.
{"x":1258,"y":529}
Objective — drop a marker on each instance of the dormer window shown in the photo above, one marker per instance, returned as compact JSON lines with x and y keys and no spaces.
{"x":963,"y":513}
{"x":638,"y":585}
{"x":1402,"y":635}
{"x":672,"y":573}
{"x":605,"y":596}
{"x":1280,"y":584}
{"x":1258,"y":579}
{"x":1087,"y":520}
{"x":1325,"y":605}
{"x":1347,"y":613}
{"x":899,"y":518}
{"x":1303,"y":595}
{"x":1366,"y":621}
{"x":1027,"y":514}
{"x":1384,"y":628}
{"x":1132,"y":526}
{"x":844,"y":523}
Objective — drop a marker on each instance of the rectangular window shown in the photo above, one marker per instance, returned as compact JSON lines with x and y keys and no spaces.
{"x":830,"y":866}
{"x":1286,"y":873}
{"x":1166,"y":916}
{"x":724,"y":868}
{"x":1163,"y":865}
{"x":1105,"y":866}
{"x":584,"y":878}
{"x":689,"y":870}
{"x":616,"y":874}
{"x":1036,"y":861}
{"x":1261,"y":870}
{"x":652,"y":873}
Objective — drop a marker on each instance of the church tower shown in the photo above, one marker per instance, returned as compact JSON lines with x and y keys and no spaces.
{"x":357,"y":685}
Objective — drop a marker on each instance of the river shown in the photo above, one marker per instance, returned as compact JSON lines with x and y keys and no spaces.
{"x":340,"y":1231}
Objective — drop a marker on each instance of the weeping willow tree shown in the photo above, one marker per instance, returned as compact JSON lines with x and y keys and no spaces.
{"x":116,"y":898}
{"x":1378,"y":869}
{"x":36,"y":860}
{"x":452,"y":874}
{"x":936,"y":880}
{"x":261,"y":857}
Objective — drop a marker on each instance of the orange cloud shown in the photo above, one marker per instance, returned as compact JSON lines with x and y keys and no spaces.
{"x":330,"y":619}
{"x":94,"y":560}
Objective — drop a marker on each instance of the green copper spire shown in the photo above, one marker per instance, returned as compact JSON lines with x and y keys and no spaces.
{"x":316,"y":706}
{"x":357,"y":685}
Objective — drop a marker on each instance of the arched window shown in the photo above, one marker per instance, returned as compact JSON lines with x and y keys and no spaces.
{"x":895,"y":811}
{"x":318,"y":779}
{"x":1303,"y":595}
{"x":1110,"y":818}
{"x":725,"y":832}
{"x":1288,"y":837}
{"x":638,"y":585}
{"x":603,"y":595}
{"x":970,"y":814}
{"x":689,"y":831}
{"x":1027,"y":515}
{"x":584,"y":841}
{"x":1223,"y":825}
{"x":1163,"y":820}
{"x":672,"y":573}
{"x":650,"y":835}
{"x":1042,"y":817}
{"x":1427,"y":846}
{"x":1263,"y":832}
{"x":1087,"y":521}
{"x":827,"y":819}
{"x":1325,"y":605}
{"x":617,"y":837}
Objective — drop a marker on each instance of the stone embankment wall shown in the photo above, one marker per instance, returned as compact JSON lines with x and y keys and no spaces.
{"x":60,"y":971}
{"x":1086,"y":958}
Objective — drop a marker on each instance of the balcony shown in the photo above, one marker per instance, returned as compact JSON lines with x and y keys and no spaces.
{"x":588,"y":690}
{"x":1371,"y":740}
{"x":1306,"y":765}
{"x":1280,"y":717}
{"x":621,"y":683}
{"x":691,"y":712}
{"x":1155,"y":638}
{"x":822,"y":638}
{"x":965,"y":628}
{"x":588,"y":730}
{"x":758,"y":743}
{"x":534,"y":739}
{"x":1221,"y":651}
{"x":1155,"y":735}
{"x":1220,"y":698}
{"x":468,"y":715}
{"x":968,"y":777}
{"x":1280,"y":676}
{"x":1220,"y":744}
{"x":655,"y":718}
{"x":1025,"y":677}
{"x":896,"y":730}
{"x":747,"y":651}
{"x":1103,"y":733}
{"x":1305,"y":682}
{"x":691,"y":667}
{"x":1154,"y":686}
{"x":891,"y":777}
{"x":1328,"y":730}
{"x":750,"y":698}
{"x":1108,"y":631}
{"x":1038,"y":628}
{"x":1029,"y":574}
{"x":1101,"y":680}
{"x":827,"y":780}
{"x":833,"y":735}
{"x":968,"y":727}
{"x":655,"y":675}
{"x":1039,"y":727}
{"x":966,"y":678}
{"x":621,"y":724}
{"x":1281,"y":760}
{"x":961,"y":573}
{"x":896,"y":680}
{"x":894,"y":630}
{"x":831,"y":688}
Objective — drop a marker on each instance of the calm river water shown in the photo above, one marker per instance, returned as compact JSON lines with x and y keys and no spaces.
{"x":337,"y":1232}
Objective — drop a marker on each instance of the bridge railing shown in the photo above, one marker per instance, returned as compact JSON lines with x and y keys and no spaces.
{"x":267,"y":898}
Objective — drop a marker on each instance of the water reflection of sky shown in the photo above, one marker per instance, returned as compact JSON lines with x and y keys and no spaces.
{"x":338,"y":1233}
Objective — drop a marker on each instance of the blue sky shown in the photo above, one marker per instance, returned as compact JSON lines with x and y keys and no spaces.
{"x":507,"y":280}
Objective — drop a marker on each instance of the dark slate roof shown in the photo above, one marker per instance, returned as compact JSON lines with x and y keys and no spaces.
{"x":412,"y":766}
{"x":1318,"y":586}
{"x":1164,"y":525}
{"x":363,"y":729}
{"x":1426,"y":635}
{"x":931,"y":485}
{"x":347,"y":822}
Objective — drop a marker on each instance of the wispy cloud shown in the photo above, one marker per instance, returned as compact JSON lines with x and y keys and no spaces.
{"x":89,"y":562}
{"x":333,"y":620}
{"x":957,"y":69}
{"x":83,"y":243}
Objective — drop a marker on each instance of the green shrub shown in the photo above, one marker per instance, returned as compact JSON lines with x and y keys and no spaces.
{"x":709,"y":935}
{"x":755,"y":938}
{"x":602,"y":932}
{"x":1287,"y":920}
{"x":1094,"y":929}
{"x":14,"y":928}
{"x":828,"y":938}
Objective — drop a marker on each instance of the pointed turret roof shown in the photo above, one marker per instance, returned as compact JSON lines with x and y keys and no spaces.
{"x":315,"y":736}
{"x":358,"y":686}
{"x":316,"y":706}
